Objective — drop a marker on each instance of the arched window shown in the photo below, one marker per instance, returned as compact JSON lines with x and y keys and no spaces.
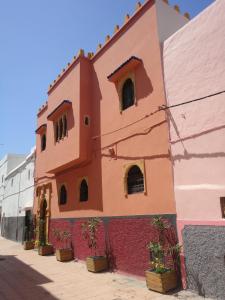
{"x":63,"y":195}
{"x":64,"y":126}
{"x":60,"y":128}
{"x":127,"y":94}
{"x":83,"y":190}
{"x":43,"y":142}
{"x":135,"y":180}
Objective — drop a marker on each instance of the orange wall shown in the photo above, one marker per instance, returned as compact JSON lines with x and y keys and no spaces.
{"x":147,"y":139}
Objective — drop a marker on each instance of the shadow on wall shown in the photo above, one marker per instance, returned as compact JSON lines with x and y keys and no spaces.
{"x":143,"y":133}
{"x":187,"y":155}
{"x":19,"y":281}
{"x":143,"y":83}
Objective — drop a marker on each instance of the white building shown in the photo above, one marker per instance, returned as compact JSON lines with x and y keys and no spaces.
{"x":7,"y":163}
{"x":18,"y":197}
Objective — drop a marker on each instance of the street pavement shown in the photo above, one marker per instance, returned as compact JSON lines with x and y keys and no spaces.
{"x":24,"y":275}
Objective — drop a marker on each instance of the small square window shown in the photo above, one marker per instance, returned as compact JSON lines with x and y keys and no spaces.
{"x":222,"y":204}
{"x":86,"y":120}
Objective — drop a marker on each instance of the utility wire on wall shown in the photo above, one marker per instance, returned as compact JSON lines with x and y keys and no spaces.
{"x":160,"y":108}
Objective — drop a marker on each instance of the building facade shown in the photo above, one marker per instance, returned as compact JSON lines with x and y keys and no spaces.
{"x":102,"y":141}
{"x":197,"y":145}
{"x":18,"y":198}
{"x":7,"y":163}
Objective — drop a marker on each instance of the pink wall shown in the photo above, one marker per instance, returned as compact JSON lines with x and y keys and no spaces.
{"x":194,"y":66}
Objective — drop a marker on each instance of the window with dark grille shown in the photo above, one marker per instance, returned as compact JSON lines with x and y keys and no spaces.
{"x":64,"y":126}
{"x":83,"y":190}
{"x":135,"y":180}
{"x":222,"y":204}
{"x":56,"y":131}
{"x":127,"y":94}
{"x":43,"y":142}
{"x":63,"y":195}
{"x":60,"y":128}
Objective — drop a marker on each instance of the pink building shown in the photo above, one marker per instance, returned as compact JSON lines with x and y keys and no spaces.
{"x":194,"y":66}
{"x":102,"y":143}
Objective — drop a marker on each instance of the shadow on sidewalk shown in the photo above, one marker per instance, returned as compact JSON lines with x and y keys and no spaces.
{"x":20,"y":282}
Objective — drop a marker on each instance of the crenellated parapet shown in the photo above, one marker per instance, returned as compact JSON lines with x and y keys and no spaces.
{"x":90,"y":55}
{"x":42,"y":108}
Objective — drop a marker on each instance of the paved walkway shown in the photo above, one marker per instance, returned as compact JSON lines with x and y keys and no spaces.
{"x":24,"y":275}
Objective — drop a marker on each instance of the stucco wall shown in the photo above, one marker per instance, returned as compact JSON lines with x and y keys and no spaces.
{"x":7,"y":163}
{"x":194,"y":66}
{"x":204,"y":258}
{"x":122,"y":239}
{"x":136,"y":130}
{"x":18,"y":196}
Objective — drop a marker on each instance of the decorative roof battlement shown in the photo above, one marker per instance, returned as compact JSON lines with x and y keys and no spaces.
{"x":117,"y":29}
{"x":42,"y":108}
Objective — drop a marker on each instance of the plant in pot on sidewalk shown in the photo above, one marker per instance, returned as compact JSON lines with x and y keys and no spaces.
{"x":95,"y":263}
{"x":160,"y":277}
{"x":64,"y":252}
{"x":28,"y":243}
{"x":44,"y":248}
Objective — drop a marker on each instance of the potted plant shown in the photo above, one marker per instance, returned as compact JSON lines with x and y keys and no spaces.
{"x":95,"y":263}
{"x":161,"y":277}
{"x":28,"y":243}
{"x":44,"y":248}
{"x":65,"y":252}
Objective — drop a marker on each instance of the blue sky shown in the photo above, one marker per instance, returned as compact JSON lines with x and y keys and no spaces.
{"x":37,"y":39}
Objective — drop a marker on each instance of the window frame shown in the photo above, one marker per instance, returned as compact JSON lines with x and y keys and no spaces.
{"x":121,"y":82}
{"x":45,"y":144}
{"x":61,"y":124}
{"x":83,"y":179}
{"x":78,"y":189}
{"x":59,"y":193}
{"x":141,"y":165}
{"x":222,"y":206}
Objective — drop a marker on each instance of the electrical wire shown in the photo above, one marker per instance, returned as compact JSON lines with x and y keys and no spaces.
{"x":160,"y":108}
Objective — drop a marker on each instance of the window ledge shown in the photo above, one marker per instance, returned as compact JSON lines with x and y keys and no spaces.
{"x":60,"y":109}
{"x":124,"y":68}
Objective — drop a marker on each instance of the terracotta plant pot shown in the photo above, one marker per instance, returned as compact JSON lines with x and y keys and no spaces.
{"x":28,"y":245}
{"x":161,"y":282}
{"x":96,"y":263}
{"x":45,"y":250}
{"x":64,"y":254}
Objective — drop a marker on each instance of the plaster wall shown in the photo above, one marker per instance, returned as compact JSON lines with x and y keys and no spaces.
{"x":136,"y":131}
{"x":169,"y":20}
{"x":19,"y":188}
{"x":7,"y":163}
{"x":194,"y":66}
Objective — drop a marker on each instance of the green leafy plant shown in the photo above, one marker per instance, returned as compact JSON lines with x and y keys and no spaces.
{"x":163,"y":247}
{"x":89,"y":233}
{"x":63,"y":236}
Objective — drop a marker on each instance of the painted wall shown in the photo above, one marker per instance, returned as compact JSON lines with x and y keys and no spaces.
{"x":137,"y":135}
{"x":194,"y":67}
{"x":122,"y":239}
{"x":197,"y":129}
{"x":18,"y":196}
{"x":7,"y":163}
{"x":133,"y":141}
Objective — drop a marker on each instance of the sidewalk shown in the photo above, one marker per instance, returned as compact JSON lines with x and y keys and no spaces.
{"x":26,"y":275}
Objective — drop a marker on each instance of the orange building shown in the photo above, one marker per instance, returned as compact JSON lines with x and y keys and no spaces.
{"x":103,"y":144}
